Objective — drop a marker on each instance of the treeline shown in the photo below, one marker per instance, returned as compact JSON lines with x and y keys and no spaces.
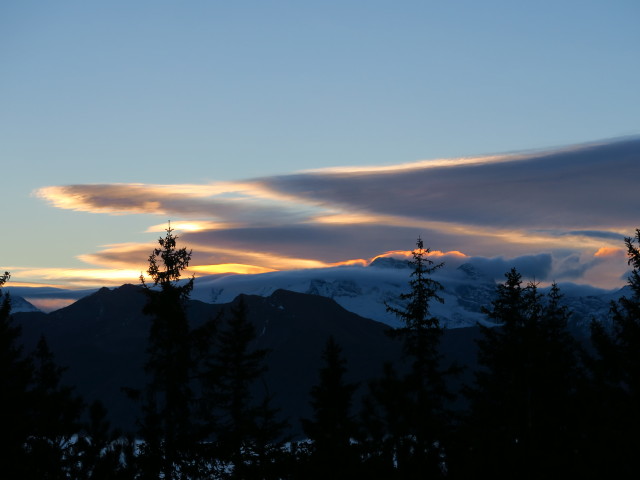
{"x":541,"y":404}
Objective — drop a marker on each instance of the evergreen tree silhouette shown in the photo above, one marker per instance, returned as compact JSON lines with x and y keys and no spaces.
{"x":524,"y":420}
{"x":40,"y":417}
{"x":412,"y":406}
{"x":333,"y":426}
{"x":270,"y":457}
{"x":102,"y":453}
{"x":55,"y":419}
{"x":246,"y":434}
{"x":15,"y":380}
{"x":616,"y":377}
{"x":167,"y":423}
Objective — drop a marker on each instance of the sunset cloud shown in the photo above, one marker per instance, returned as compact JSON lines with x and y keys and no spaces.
{"x":190,"y":226}
{"x":610,"y":252}
{"x":245,"y":204}
{"x":562,"y":213}
{"x":229,"y":268}
{"x":76,"y":277}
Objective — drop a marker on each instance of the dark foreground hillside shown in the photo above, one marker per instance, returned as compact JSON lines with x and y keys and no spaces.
{"x":102,"y":340}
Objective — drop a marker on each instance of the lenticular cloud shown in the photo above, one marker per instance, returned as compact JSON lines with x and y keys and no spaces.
{"x":577,"y":200}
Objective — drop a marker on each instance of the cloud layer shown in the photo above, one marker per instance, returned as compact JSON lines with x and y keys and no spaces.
{"x":553,"y":210}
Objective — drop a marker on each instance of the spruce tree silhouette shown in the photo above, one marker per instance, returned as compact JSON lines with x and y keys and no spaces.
{"x":15,"y":379}
{"x":102,"y":453}
{"x":412,"y":407}
{"x":55,"y":419}
{"x":247,"y":435}
{"x":40,"y":416}
{"x":616,"y":377}
{"x":167,"y":424}
{"x":333,"y":426}
{"x":524,"y":420}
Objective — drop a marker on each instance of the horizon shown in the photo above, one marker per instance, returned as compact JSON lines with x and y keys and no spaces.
{"x":209,"y":288}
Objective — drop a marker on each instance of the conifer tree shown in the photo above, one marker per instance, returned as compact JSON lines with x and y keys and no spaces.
{"x":270,"y":457}
{"x":167,"y":426}
{"x":620,"y":348}
{"x":245,"y":431}
{"x":412,"y":406}
{"x":333,"y":426}
{"x":39,"y":416}
{"x":384,"y":443}
{"x":15,"y":379}
{"x":616,"y":377}
{"x":524,"y":404}
{"x":55,"y":419}
{"x":102,"y":453}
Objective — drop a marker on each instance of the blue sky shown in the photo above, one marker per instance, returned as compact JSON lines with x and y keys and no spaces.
{"x":223,"y":93}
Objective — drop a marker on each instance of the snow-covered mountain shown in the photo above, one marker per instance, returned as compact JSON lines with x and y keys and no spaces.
{"x":19,"y":304}
{"x":366,"y":290}
{"x":44,"y":299}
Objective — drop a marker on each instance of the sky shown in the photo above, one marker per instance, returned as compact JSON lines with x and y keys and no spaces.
{"x":284,"y":135}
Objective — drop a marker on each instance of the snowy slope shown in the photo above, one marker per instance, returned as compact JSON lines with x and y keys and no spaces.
{"x":19,"y":304}
{"x":364,"y":290}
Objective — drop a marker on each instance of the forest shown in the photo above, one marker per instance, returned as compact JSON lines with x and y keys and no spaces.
{"x":542,"y":404}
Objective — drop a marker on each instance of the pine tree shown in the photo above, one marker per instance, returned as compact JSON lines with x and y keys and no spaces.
{"x":412,"y":407}
{"x":333,"y":426}
{"x":616,"y":378}
{"x":271,"y":459}
{"x":384,"y":443}
{"x":102,"y":453}
{"x":55,"y":419}
{"x":15,"y":379}
{"x":523,"y":407}
{"x":40,"y":417}
{"x":624,"y":341}
{"x":244,"y":431}
{"x":415,"y":313}
{"x":167,"y":427}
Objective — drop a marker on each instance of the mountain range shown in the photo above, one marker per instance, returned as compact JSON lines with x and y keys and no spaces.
{"x":365,"y":291}
{"x":102,"y":337}
{"x":368,"y":290}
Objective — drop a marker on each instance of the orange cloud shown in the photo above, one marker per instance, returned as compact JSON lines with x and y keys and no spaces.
{"x":357,"y":261}
{"x":34,"y":284}
{"x":348,"y":218}
{"x":609,"y":252}
{"x":451,"y":253}
{"x":409,"y":254}
{"x":77,"y":277}
{"x":120,"y":256}
{"x":233,"y":201}
{"x":191,"y":226}
{"x":229,"y":268}
{"x":115,"y":199}
{"x":398,"y":253}
{"x":207,"y":259}
{"x":394,"y":253}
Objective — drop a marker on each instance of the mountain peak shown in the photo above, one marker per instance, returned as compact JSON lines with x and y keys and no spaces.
{"x":471,"y":272}
{"x":20,"y":304}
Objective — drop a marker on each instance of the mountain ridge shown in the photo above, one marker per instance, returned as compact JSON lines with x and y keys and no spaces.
{"x":102,"y":338}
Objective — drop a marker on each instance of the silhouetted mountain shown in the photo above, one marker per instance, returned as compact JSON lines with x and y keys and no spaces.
{"x":102,"y":339}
